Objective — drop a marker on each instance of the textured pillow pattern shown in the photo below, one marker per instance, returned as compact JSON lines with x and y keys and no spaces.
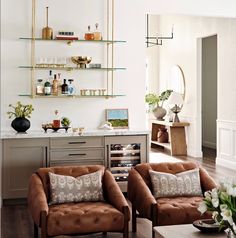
{"x":84,"y":188}
{"x":186,"y":183}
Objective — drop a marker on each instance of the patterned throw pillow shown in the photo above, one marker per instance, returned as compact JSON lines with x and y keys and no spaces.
{"x":84,"y":188}
{"x":173,"y":185}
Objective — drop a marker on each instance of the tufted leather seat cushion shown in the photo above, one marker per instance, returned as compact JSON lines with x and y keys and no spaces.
{"x":179,"y":210}
{"x":74,"y":218}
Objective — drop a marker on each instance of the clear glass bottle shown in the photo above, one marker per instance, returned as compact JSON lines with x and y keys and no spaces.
{"x":89,"y":35}
{"x":71,"y":87}
{"x":39,"y":87}
{"x":64,"y":87}
{"x":97,"y":33}
{"x":55,"y":85}
{"x":59,"y":83}
{"x":47,"y":85}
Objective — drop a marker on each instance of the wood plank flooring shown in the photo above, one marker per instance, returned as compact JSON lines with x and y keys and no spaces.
{"x":16,"y":222}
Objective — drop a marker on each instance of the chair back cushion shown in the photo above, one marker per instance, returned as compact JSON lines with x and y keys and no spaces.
{"x":186,"y":183}
{"x":172,"y":168}
{"x":74,"y":171}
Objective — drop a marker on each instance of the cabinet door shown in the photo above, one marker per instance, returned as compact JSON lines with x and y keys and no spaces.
{"x":21,"y":157}
{"x":124,"y":152}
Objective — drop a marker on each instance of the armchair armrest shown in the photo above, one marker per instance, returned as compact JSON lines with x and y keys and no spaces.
{"x":140,"y":195}
{"x":37,"y":201}
{"x":207,"y":182}
{"x":113,"y":192}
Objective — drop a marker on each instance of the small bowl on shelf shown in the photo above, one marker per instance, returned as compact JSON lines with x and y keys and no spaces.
{"x":81,"y":61}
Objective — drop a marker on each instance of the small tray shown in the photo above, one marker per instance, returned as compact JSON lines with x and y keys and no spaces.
{"x":55,"y":129}
{"x":207,"y":225}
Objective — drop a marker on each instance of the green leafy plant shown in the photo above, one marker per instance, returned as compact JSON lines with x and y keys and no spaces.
{"x":65,"y":121}
{"x":153,"y":99}
{"x":20,"y":110}
{"x":221,"y":202}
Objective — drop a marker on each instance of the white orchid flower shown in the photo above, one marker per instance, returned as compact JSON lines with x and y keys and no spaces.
{"x":223,"y":207}
{"x":214,"y":193}
{"x":215,"y":215}
{"x":215,"y":202}
{"x":202,"y":207}
{"x":231,"y":191}
{"x":227,"y":216}
{"x":207,"y":196}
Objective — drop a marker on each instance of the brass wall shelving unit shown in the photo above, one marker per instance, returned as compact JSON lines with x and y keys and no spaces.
{"x":109,"y":68}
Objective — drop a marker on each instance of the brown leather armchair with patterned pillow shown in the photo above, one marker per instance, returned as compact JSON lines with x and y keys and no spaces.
{"x":77,"y":218}
{"x":165,"y":210}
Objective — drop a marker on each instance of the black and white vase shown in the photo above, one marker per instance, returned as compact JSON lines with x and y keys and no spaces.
{"x":20,"y":124}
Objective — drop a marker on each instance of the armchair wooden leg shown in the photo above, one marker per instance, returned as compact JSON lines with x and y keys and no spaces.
{"x":154,"y":217}
{"x":134,"y":218}
{"x":44,"y":225}
{"x":35,"y":231}
{"x":126,"y":222}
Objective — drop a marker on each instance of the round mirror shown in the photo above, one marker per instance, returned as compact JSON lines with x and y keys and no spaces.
{"x":177,"y":81}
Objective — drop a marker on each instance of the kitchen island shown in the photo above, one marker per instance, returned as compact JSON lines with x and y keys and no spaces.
{"x":23,"y":154}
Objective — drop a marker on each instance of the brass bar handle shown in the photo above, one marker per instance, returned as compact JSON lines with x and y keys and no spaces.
{"x":77,"y":142}
{"x":77,"y":154}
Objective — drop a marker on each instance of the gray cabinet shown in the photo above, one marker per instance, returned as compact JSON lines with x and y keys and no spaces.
{"x":21,"y":157}
{"x":123,"y":153}
{"x":77,"y":151}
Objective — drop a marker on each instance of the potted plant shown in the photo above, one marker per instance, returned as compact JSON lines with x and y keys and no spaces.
{"x":155,"y":103}
{"x":20,"y":112}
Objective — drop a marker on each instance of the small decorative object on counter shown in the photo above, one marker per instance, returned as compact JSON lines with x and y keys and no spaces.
{"x":55,"y":85}
{"x":56,"y":122}
{"x":71,"y":87}
{"x":20,"y":112}
{"x":89,"y":35}
{"x":64,"y":87}
{"x":97,"y":34}
{"x":65,"y":121}
{"x":47,"y":32}
{"x":39,"y":87}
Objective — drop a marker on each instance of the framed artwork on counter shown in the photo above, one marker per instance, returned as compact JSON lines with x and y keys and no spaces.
{"x":119,"y":118}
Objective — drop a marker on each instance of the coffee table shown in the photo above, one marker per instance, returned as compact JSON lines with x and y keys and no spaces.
{"x":184,"y":231}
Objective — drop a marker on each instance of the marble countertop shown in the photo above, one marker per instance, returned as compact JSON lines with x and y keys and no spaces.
{"x":62,"y":133}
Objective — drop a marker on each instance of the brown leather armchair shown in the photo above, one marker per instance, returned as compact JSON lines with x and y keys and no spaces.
{"x":164,"y":211}
{"x":81,"y":218}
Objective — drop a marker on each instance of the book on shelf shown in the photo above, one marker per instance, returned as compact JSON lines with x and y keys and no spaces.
{"x":63,"y":37}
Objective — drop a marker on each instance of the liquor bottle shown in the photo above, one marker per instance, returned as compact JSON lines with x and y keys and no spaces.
{"x":55,"y":85}
{"x":71,"y":87}
{"x":64,"y":87}
{"x":97,"y":33}
{"x":89,"y":35}
{"x":56,"y":123}
{"x":47,"y":85}
{"x":39,"y":87}
{"x":59,"y":83}
{"x":50,"y":77}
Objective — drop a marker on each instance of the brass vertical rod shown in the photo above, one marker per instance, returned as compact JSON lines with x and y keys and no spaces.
{"x":112,"y":47}
{"x":33,"y":49}
{"x":47,"y":15}
{"x":108,"y":26}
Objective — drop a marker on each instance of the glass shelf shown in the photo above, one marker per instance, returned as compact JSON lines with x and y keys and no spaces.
{"x":70,"y":68}
{"x":73,"y":96}
{"x":87,"y":41}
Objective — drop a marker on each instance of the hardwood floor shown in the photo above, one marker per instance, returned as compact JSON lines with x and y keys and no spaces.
{"x":16,"y":223}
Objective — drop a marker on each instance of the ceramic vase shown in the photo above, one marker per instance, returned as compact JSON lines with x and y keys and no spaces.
{"x":159,"y":113}
{"x":20,"y":124}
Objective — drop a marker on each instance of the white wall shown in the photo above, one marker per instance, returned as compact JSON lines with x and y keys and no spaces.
{"x":130,"y":26}
{"x":209,"y":91}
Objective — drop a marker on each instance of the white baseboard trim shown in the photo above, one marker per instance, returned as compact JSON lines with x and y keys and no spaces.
{"x":226,"y":163}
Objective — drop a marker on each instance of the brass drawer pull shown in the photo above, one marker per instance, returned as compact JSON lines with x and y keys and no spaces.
{"x":77,"y":154}
{"x":77,"y":142}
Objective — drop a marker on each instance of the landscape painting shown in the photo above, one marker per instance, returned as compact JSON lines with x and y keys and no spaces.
{"x":118,"y":118}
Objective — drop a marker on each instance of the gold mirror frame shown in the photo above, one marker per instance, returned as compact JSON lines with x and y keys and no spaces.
{"x":177,"y":83}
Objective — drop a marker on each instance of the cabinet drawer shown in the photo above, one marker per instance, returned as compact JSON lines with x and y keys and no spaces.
{"x":77,"y":162}
{"x":77,"y":155}
{"x":77,"y":142}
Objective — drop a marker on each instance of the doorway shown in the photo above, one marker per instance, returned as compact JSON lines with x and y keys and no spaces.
{"x":209,"y":96}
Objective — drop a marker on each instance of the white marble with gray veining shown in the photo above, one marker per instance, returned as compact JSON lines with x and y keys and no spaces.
{"x":62,"y":133}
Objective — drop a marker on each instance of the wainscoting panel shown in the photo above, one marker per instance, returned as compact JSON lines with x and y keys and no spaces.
{"x":226,"y":143}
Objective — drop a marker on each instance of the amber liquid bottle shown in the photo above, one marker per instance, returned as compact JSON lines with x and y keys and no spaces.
{"x":89,"y":35}
{"x":64,"y":88}
{"x":55,"y":85}
{"x":97,"y":33}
